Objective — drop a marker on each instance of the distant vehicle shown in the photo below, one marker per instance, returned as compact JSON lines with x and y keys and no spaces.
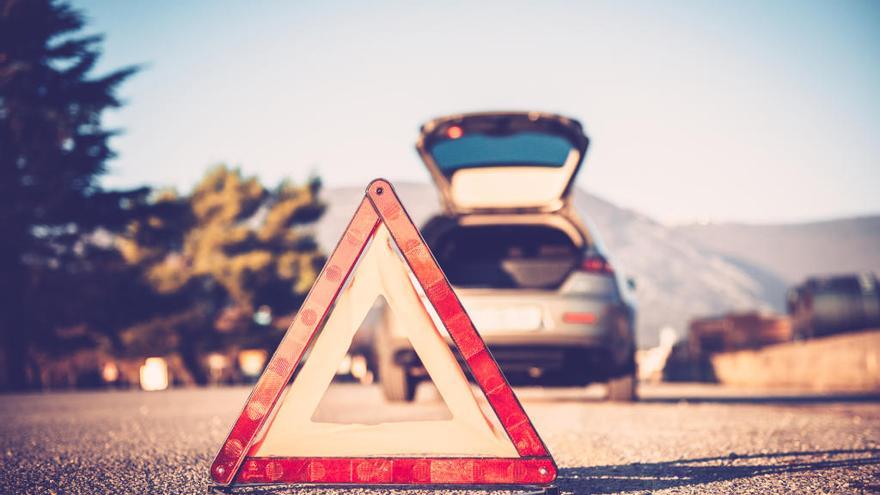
{"x":736,"y":331}
{"x":531,"y":275}
{"x":835,"y":304}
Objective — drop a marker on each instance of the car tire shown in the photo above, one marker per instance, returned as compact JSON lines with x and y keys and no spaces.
{"x":397,"y":385}
{"x":622,"y":389}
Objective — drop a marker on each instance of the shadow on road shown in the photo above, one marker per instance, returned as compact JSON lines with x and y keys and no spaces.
{"x":769,"y":399}
{"x":689,"y":472}
{"x":733,"y":398}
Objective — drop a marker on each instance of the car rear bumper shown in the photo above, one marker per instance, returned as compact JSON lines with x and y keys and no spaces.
{"x":560,"y":360}
{"x":551,"y":352}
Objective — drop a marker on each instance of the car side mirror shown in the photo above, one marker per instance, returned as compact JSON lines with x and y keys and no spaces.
{"x":631,"y":283}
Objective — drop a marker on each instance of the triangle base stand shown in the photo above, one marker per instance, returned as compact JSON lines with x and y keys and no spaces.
{"x":270,"y":488}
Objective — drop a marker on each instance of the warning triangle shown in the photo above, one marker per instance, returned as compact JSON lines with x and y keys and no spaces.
{"x":274,"y":440}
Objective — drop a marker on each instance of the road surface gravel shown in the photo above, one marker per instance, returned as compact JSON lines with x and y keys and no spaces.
{"x":678,"y":439}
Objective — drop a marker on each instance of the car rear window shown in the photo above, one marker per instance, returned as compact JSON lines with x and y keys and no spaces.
{"x":506,"y":256}
{"x":523,"y":148}
{"x":845,"y":286}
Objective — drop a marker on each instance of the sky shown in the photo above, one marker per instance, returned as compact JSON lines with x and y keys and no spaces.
{"x":757,"y":112}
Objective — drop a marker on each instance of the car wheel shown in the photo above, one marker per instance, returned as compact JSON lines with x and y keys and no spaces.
{"x":397,"y":385}
{"x":622,"y":388}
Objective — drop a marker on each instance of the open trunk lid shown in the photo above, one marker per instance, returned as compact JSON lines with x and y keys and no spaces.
{"x":499,"y":162}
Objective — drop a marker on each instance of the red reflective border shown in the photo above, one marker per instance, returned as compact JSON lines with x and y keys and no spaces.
{"x":396,"y":471}
{"x":381,"y":203}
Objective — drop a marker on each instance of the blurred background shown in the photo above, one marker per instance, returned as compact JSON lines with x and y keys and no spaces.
{"x":173,"y":176}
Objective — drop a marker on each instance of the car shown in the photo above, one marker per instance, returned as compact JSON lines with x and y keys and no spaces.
{"x":828,"y":305}
{"x":533,"y":277}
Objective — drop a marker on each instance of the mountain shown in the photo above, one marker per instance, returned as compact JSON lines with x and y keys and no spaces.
{"x":677,"y":280}
{"x":794,"y":251}
{"x":680,"y":275}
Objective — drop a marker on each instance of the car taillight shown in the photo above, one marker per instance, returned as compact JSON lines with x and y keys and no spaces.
{"x":579,"y":318}
{"x":596,"y":264}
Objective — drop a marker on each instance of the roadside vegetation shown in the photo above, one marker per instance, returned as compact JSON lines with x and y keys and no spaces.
{"x":91,"y":275}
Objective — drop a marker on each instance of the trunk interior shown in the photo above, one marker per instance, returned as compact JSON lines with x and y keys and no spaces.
{"x":506,"y":256}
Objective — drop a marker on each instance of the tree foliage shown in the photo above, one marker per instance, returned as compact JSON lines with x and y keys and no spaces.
{"x":136,"y":272}
{"x":53,"y":149}
{"x":215,"y":258}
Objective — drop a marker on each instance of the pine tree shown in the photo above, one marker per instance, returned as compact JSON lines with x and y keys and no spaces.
{"x":53,"y":149}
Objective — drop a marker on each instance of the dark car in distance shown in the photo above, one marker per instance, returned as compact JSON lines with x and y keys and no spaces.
{"x":834,"y":304}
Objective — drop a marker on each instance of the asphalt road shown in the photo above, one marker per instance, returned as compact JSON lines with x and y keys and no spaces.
{"x":714,"y":441}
